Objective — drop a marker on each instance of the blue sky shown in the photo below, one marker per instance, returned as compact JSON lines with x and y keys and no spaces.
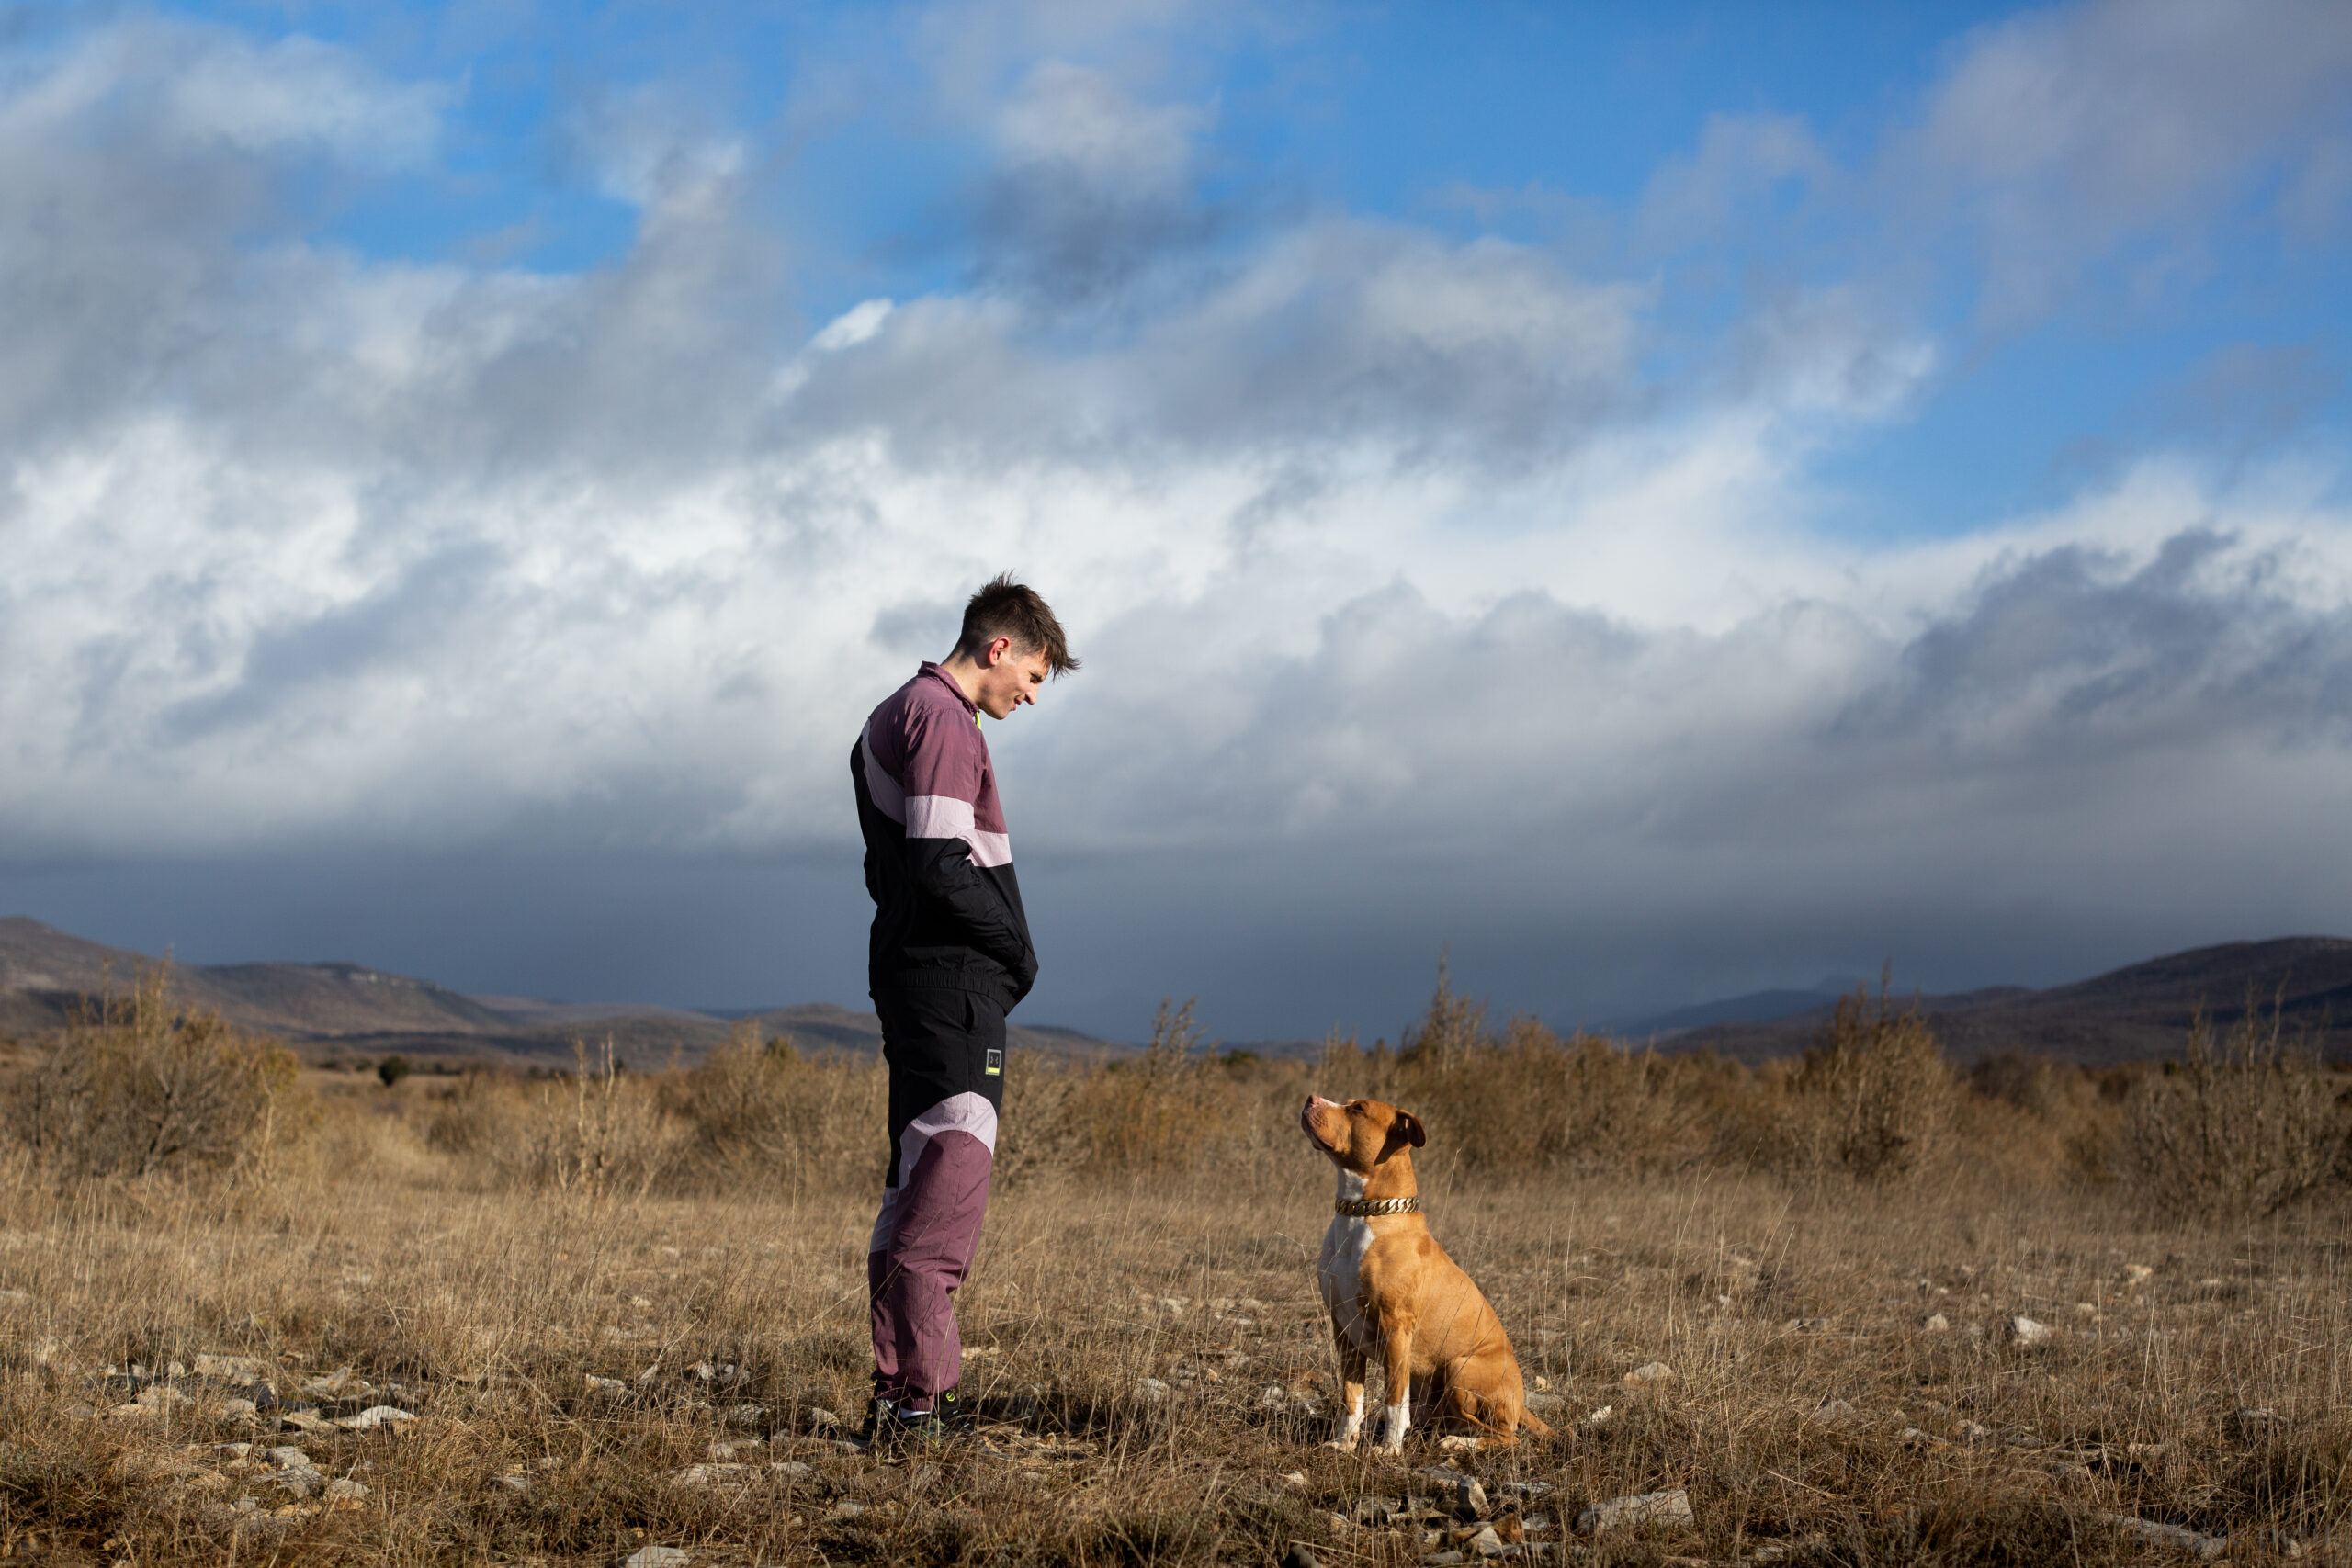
{"x":1665,"y":499}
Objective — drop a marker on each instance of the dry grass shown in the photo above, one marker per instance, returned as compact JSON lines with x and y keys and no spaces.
{"x":483,"y":1253}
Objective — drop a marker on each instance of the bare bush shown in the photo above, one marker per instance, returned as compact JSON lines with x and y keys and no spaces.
{"x":605,"y":1134}
{"x":134,"y":1088}
{"x":762,"y":1114}
{"x":2243,"y":1125}
{"x":1874,"y":1099}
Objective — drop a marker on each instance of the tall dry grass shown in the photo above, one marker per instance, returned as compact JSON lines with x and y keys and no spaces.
{"x":629,"y":1310}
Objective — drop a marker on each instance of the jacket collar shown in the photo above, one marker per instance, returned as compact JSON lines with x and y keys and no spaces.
{"x":932,"y":670}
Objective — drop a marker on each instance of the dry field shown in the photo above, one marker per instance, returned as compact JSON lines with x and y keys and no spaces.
{"x":616,"y":1315}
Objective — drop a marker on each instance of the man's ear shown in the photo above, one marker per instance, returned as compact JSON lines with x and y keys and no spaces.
{"x":999,"y":649}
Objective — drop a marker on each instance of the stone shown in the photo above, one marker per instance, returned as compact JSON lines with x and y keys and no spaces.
{"x":1651,"y":1372}
{"x":1546,"y":1404}
{"x":791,"y":1469}
{"x":1271,"y":1397}
{"x":1458,"y":1493}
{"x":161,"y":1397}
{"x":749,"y":1416}
{"x":235,"y":1409}
{"x":2169,"y":1535}
{"x":847,"y":1508}
{"x":1599,"y":1415}
{"x":514,"y":1482}
{"x":289,"y":1457}
{"x":229,"y":1368}
{"x":1151,"y":1391}
{"x":1937,"y":1324}
{"x":707,"y":1474}
{"x":301,"y":1483}
{"x":656,"y":1557}
{"x":1832,"y":1409}
{"x":346,"y":1487}
{"x":1972,"y":1432}
{"x":821,"y":1419}
{"x":2023,"y":1330}
{"x":376,"y":1416}
{"x":1373,"y":1512}
{"x":598,"y":1386}
{"x":2137,"y":1273}
{"x":1669,"y":1508}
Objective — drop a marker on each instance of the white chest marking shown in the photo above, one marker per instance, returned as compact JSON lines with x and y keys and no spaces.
{"x":1340,"y":1270}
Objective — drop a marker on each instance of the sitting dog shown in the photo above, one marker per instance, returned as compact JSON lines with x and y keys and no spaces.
{"x":1393,"y":1292}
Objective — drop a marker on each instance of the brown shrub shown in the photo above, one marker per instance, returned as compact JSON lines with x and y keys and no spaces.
{"x":760,"y":1115}
{"x":2245,"y":1124}
{"x":134,"y":1088}
{"x":1874,"y":1100}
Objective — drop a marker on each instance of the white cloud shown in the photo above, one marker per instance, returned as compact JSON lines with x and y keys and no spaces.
{"x":2063,"y":134}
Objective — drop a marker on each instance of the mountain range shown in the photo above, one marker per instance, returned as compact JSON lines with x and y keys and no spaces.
{"x":2141,"y":1011}
{"x":328,"y":1010}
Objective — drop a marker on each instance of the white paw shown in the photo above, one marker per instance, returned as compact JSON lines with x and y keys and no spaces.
{"x":1345,"y":1445}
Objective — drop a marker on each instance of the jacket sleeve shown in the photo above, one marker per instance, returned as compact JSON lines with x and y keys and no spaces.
{"x":943,"y":782}
{"x":944,"y":872}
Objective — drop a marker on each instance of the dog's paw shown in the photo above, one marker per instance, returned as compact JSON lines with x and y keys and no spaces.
{"x":1345,"y":1445}
{"x":1460,"y":1444}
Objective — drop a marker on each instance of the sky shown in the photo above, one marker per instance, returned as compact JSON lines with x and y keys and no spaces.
{"x":1652,"y":503}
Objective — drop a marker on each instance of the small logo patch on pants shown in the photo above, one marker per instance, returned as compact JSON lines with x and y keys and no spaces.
{"x":996,"y":1065}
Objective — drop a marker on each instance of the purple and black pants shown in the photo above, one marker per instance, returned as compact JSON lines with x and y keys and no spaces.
{"x":945,"y":1049}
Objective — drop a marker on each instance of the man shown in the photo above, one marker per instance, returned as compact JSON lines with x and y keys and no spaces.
{"x":950,"y":956}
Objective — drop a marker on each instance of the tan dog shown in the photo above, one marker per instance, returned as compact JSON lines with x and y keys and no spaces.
{"x":1392,"y":1290}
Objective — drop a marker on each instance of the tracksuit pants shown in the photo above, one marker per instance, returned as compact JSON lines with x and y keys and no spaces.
{"x":945,"y":1050}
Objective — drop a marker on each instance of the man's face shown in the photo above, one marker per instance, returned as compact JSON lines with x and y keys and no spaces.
{"x":1011,"y":679}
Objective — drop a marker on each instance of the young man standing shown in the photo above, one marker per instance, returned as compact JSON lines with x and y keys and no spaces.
{"x":950,"y":956}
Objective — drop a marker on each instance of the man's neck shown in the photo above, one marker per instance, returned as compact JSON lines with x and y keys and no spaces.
{"x":965,"y":673}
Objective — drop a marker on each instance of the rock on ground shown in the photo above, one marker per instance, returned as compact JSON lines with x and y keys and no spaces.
{"x":1646,"y":1508}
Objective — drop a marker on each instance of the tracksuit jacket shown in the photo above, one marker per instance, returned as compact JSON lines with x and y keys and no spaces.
{"x":938,"y":861}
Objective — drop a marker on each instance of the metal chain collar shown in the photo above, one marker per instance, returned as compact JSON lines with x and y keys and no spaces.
{"x":1364,"y":1208}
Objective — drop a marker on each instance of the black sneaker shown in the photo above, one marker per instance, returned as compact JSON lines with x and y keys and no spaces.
{"x":881,"y":1423}
{"x":946,"y":1422}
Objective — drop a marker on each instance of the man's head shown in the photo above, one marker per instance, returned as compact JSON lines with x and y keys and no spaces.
{"x":1010,"y":644}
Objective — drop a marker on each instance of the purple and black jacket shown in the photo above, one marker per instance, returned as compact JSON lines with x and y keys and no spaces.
{"x":947,"y":907}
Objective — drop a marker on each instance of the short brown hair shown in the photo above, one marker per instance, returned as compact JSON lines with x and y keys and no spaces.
{"x":1008,"y":609}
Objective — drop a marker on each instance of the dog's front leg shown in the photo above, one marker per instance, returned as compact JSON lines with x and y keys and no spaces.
{"x":1352,"y":1362}
{"x":1398,"y":1370}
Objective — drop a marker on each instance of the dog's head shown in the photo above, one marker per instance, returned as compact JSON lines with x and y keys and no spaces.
{"x":1360,"y":1133}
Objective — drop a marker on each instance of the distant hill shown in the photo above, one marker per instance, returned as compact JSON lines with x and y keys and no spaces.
{"x":2128,"y":1014}
{"x":339,"y":1008}
{"x":1755,"y":1007}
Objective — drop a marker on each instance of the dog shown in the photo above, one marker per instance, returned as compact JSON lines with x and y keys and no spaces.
{"x":1392,"y":1291}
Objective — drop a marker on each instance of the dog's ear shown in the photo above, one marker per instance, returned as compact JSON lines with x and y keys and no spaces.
{"x":1408,"y":1129}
